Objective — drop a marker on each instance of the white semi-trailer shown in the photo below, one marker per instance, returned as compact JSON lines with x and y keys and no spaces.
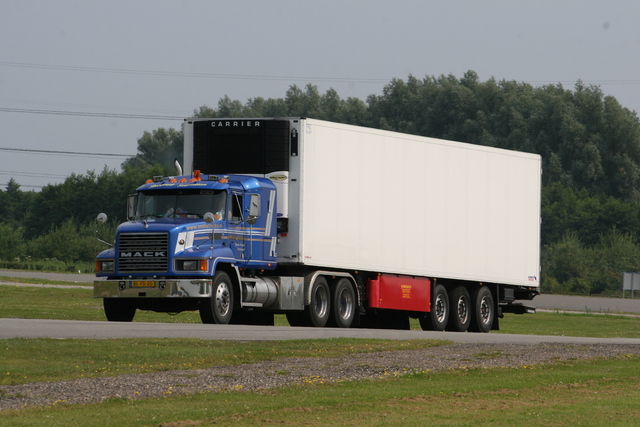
{"x":330,"y":224}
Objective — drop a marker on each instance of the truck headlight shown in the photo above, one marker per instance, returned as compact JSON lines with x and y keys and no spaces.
{"x":189,"y":265}
{"x":192,"y":265}
{"x":105,"y":266}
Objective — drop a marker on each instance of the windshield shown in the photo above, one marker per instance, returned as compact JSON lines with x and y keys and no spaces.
{"x":181,"y":204}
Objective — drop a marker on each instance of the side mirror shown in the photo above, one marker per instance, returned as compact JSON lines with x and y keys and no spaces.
{"x":101,"y":218}
{"x":254,"y":209}
{"x":131,"y":207}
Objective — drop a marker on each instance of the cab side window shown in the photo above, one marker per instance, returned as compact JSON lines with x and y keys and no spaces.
{"x":236,"y":207}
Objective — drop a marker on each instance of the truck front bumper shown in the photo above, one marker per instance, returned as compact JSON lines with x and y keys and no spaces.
{"x":166,"y":288}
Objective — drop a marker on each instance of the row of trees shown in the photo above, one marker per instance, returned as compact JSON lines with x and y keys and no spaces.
{"x":590,"y":146}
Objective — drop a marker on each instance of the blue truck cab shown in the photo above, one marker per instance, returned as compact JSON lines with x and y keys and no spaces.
{"x":186,"y":237}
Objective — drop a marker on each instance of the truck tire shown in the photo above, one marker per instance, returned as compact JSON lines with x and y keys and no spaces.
{"x":119,"y":309}
{"x":218,"y":308}
{"x":437,"y":318}
{"x":483,"y":310}
{"x":317,"y":313}
{"x":343,"y":303}
{"x":296,"y":318}
{"x":460,"y":310}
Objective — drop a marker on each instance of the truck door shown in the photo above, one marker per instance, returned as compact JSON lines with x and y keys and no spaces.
{"x":261,"y":227}
{"x":252,"y":230}
{"x":236,"y":226}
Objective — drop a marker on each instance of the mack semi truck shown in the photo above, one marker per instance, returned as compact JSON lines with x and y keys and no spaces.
{"x":330,"y":225}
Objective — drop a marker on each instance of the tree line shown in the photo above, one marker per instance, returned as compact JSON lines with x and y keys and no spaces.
{"x":589,"y":143}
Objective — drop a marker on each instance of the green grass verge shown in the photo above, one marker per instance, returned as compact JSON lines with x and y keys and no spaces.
{"x":571,"y":324}
{"x":585,"y":393}
{"x":69,"y":304}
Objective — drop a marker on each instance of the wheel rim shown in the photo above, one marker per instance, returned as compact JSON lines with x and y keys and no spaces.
{"x":223,"y":299}
{"x":321,"y":301}
{"x":463,"y":310}
{"x":440,"y":307}
{"x":345,"y":304}
{"x":485,"y":310}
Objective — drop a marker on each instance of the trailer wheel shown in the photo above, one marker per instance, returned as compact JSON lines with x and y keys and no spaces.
{"x":483,"y":310}
{"x":460,"y":306}
{"x":317,"y":313}
{"x":218,"y":308}
{"x":437,"y":318}
{"x":343,"y":303}
{"x":119,"y":310}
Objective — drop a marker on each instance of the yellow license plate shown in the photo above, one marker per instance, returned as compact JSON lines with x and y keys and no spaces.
{"x":143,"y":284}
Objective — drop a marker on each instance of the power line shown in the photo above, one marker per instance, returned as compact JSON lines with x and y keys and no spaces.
{"x":22,"y":185}
{"x":188,"y":74}
{"x":72,"y":153}
{"x":91,"y":106}
{"x":85,"y":114}
{"x":32,"y":174}
{"x":258,"y":76}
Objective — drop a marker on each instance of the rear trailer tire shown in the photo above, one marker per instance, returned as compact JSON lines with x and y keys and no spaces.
{"x":317,"y":313}
{"x":119,"y":309}
{"x":483,"y":310}
{"x":437,"y":318}
{"x":343,"y":303}
{"x":218,"y":308}
{"x":460,"y":310}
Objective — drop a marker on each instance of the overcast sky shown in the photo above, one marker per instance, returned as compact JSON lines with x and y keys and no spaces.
{"x":73,"y":73}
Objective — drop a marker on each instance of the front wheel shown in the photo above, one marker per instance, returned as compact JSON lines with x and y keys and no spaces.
{"x":218,"y":308}
{"x":317,"y":313}
{"x":119,"y":309}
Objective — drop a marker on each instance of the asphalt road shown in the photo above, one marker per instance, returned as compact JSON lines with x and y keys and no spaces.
{"x":43,"y":328}
{"x":68,"y":277}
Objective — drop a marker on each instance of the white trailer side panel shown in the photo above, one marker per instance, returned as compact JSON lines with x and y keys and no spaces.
{"x":388,"y":202}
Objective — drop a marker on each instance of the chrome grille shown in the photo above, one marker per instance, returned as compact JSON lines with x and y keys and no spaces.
{"x":143,"y":253}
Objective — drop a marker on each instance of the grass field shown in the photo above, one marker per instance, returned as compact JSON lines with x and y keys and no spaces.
{"x":568,"y":393}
